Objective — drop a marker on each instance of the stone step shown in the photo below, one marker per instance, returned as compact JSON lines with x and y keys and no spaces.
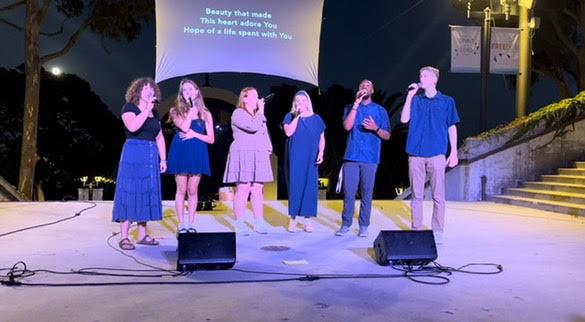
{"x":555,"y":206}
{"x":563,"y":179}
{"x":580,"y":164}
{"x":570,"y":197}
{"x":572,"y":171}
{"x":9,"y":192}
{"x":554,"y":186}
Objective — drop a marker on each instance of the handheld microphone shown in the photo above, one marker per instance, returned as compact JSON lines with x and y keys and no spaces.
{"x":190,"y":102}
{"x":266,"y":99}
{"x":362,"y":93}
{"x":410,"y":87}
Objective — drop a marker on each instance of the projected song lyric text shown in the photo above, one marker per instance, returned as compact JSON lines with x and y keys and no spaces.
{"x":237,"y":23}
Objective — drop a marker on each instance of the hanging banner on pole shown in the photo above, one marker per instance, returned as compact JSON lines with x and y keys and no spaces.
{"x":505,"y":50}
{"x":466,"y":50}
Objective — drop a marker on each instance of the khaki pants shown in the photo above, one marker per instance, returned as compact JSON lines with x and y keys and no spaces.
{"x":418,"y":167}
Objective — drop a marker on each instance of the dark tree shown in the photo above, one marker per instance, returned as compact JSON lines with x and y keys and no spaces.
{"x":78,"y":135}
{"x":111,"y":19}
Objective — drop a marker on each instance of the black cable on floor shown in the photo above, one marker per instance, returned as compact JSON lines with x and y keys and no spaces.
{"x":498,"y":268}
{"x":17,"y":274}
{"x":87,"y":272}
{"x":66,"y":198}
{"x":150,"y":283}
{"x":18,"y":271}
{"x":437,"y":270}
{"x":420,"y":274}
{"x":77,"y":214}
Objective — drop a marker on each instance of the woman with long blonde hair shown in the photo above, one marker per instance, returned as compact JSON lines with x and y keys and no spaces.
{"x":305,"y":146}
{"x":248,"y":163}
{"x":188,"y":155}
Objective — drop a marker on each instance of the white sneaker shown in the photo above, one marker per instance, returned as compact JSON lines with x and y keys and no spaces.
{"x":363,"y":231}
{"x":292,"y":226}
{"x":241,"y":227}
{"x":309,"y":225}
{"x":342,"y":231}
{"x":260,"y":226}
{"x":182,"y":228}
{"x":438,"y":237}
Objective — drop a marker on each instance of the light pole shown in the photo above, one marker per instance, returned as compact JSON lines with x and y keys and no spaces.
{"x":486,"y":40}
{"x":503,"y":9}
{"x":524,"y":70}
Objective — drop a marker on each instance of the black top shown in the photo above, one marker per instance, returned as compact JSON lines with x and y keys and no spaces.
{"x":149,"y":129}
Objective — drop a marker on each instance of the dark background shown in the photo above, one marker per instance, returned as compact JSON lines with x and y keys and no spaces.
{"x":384,"y":41}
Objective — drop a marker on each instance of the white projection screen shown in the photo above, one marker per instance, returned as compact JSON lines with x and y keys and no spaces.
{"x":273,"y":37}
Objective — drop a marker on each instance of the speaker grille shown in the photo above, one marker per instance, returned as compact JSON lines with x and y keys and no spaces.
{"x":206,"y":251}
{"x":405,"y":247}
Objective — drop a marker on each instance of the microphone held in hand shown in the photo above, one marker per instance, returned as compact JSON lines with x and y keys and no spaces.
{"x":268,"y":97}
{"x":190,"y":102}
{"x":363,"y":94}
{"x":411,"y":87}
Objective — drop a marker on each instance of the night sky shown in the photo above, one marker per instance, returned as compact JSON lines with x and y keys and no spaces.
{"x":385,"y":41}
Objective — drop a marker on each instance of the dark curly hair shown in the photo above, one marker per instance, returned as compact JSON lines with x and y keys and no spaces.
{"x":133,"y":91}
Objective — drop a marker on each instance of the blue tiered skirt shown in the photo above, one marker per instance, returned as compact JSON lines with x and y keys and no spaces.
{"x":138,"y":192}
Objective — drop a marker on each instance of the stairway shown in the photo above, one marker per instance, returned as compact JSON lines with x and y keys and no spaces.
{"x":563,"y":193}
{"x":8,"y":192}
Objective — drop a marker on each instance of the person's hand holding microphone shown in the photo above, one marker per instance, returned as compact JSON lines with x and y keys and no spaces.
{"x":359,"y":96}
{"x":413,"y":89}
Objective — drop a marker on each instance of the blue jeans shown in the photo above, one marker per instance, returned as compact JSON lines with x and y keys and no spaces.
{"x":364,"y":174}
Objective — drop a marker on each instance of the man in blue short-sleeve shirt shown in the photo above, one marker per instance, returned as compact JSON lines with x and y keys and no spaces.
{"x":433,"y":118}
{"x":367,"y":124}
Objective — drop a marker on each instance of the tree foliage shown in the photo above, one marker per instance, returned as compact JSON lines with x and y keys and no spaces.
{"x":111,"y":19}
{"x":78,"y":134}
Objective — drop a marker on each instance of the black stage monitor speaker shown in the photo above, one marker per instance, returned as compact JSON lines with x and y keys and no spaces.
{"x":206,"y":251}
{"x":405,"y":247}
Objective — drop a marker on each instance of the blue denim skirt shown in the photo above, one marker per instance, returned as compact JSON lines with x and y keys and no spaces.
{"x":138,"y":192}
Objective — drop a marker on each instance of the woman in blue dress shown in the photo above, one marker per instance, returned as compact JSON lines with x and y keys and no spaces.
{"x":188,"y":155}
{"x":304,"y":152}
{"x":138,"y":193}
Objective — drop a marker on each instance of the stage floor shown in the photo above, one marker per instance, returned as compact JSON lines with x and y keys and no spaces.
{"x":542,"y":254}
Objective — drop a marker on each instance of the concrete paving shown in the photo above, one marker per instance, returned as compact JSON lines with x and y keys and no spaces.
{"x":542,"y":254}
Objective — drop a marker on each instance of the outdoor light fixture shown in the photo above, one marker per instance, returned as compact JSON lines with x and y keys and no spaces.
{"x":505,"y":8}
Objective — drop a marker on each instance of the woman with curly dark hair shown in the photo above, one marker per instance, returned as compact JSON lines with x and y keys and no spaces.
{"x":138,"y":192}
